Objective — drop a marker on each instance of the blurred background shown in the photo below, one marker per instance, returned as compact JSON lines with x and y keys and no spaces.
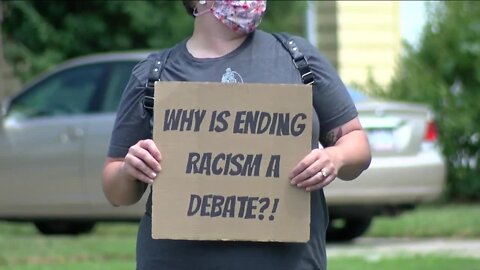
{"x":407,"y":50}
{"x":424,"y":53}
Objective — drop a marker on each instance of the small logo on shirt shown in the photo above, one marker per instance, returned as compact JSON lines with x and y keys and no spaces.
{"x":231,"y":76}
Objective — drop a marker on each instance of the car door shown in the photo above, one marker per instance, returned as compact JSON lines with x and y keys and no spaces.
{"x":42,"y":135}
{"x":97,"y":139}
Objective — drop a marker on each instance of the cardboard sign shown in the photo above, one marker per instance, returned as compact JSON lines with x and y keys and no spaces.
{"x":227,"y":153}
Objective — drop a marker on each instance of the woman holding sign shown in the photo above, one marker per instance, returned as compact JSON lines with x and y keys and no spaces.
{"x":226,"y":47}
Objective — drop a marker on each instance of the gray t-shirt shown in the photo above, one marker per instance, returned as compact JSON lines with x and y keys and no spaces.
{"x":260,"y":59}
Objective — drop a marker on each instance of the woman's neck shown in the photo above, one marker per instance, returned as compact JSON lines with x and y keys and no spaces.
{"x":212,"y":39}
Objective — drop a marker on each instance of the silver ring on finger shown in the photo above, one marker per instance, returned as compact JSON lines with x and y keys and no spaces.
{"x":324,"y":172}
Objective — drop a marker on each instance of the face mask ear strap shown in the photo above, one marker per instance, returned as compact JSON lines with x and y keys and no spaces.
{"x":202,"y":2}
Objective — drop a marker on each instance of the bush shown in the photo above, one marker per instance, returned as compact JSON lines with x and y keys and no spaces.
{"x":444,"y":72}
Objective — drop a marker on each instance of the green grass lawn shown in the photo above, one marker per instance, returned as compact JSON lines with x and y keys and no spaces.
{"x":112,"y":246}
{"x":461,"y":221}
{"x":21,"y":247}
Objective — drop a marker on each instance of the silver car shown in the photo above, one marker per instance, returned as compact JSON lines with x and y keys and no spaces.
{"x":407,"y":167}
{"x":54,"y":137}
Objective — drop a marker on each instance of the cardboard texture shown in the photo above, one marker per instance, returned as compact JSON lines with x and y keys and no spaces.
{"x":227,"y":152}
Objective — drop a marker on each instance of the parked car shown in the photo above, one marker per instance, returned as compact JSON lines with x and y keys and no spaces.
{"x":54,"y":137}
{"x":407,"y":167}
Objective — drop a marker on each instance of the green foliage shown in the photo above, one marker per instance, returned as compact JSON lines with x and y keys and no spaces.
{"x":285,"y":16}
{"x":40,"y":34}
{"x":444,"y":72}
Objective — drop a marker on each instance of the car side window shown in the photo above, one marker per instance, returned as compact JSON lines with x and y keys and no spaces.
{"x":68,"y":92}
{"x":118,"y":79}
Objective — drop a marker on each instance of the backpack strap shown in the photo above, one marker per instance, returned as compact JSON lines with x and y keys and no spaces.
{"x":298,"y":58}
{"x":153,"y":76}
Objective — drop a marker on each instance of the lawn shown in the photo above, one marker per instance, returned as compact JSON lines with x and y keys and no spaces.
{"x":461,"y":221}
{"x":109,"y":247}
{"x":112,"y":246}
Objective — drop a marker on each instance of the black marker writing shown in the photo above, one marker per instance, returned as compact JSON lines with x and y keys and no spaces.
{"x":183,"y":120}
{"x":223,"y":164}
{"x":219,"y":206}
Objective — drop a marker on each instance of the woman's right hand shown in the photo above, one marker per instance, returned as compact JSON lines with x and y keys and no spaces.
{"x":143,"y":161}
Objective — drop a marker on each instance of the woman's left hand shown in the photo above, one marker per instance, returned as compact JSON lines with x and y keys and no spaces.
{"x":314,"y":171}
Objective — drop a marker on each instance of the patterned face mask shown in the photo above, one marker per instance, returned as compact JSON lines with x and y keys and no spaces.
{"x":239,"y":16}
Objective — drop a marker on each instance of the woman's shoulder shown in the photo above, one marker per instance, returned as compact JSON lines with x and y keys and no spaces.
{"x":303,"y":44}
{"x":142,"y":69}
{"x":314,"y":56}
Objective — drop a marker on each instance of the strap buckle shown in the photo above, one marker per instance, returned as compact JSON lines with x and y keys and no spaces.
{"x":308,"y":81}
{"x":301,"y":64}
{"x":148,"y":102}
{"x":148,"y":99}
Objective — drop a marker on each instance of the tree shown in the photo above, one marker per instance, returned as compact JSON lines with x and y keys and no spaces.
{"x":7,"y":80}
{"x":444,"y":72}
{"x":40,"y":34}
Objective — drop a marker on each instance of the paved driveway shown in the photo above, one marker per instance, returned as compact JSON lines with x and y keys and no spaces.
{"x":385,"y":247}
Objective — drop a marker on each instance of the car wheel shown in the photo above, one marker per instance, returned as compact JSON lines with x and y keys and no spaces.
{"x":64,"y":227}
{"x":346,"y":229}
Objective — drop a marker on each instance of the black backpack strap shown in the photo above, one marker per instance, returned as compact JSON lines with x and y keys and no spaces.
{"x":298,"y":58}
{"x":153,"y":76}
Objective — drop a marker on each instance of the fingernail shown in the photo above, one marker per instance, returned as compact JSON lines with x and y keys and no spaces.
{"x":153,"y":175}
{"x":292,"y":183}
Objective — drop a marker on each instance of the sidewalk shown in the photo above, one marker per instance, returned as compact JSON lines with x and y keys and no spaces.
{"x":385,"y":247}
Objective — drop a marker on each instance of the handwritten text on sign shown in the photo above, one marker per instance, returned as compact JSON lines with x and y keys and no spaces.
{"x":227,"y":157}
{"x":244,"y":122}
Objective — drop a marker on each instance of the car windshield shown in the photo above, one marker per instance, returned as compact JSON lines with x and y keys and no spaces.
{"x":356,"y":95}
